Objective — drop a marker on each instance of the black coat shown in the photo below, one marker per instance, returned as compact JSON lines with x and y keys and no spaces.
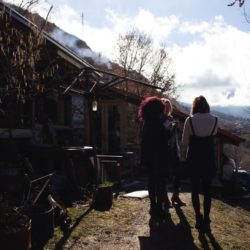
{"x":154,"y":145}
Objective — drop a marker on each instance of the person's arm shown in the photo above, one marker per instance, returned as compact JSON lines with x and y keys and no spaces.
{"x":186,"y":132}
{"x":185,"y":138}
{"x":216,"y":127}
{"x":232,"y":163}
{"x":227,"y":172}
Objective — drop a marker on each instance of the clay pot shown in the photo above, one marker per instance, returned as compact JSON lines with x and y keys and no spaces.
{"x":103,"y":198}
{"x":42,"y":222}
{"x":17,"y":235}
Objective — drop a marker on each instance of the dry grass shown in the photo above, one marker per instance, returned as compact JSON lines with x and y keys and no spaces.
{"x":127,"y":225}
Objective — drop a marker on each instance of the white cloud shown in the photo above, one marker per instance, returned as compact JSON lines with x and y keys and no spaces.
{"x":103,"y":39}
{"x":159,"y":28}
{"x":190,"y":28}
{"x":197,"y":27}
{"x":212,"y":59}
{"x":215,"y":64}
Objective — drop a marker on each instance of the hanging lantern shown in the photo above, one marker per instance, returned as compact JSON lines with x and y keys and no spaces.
{"x":94,"y":105}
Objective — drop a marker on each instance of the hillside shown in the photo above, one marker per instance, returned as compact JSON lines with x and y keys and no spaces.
{"x":82,"y":50}
{"x":232,"y":118}
{"x":234,"y":111}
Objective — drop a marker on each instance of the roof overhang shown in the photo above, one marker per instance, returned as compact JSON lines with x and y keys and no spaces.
{"x":228,"y":137}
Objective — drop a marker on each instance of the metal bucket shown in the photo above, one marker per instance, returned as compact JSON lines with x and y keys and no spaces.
{"x":42,"y":222}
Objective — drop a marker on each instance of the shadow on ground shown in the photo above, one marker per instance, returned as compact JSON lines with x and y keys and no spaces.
{"x":234,"y":199}
{"x":67,"y":231}
{"x":164,"y":234}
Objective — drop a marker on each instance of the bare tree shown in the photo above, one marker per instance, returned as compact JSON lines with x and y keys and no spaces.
{"x":160,"y":75}
{"x":27,"y":4}
{"x":241,"y":2}
{"x":139,"y":59}
{"x":19,"y":53}
{"x":21,"y":74}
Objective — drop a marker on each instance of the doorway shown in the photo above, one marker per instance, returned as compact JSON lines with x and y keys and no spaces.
{"x":113,"y":127}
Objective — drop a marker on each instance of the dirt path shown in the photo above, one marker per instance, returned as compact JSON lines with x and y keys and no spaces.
{"x":127,"y":225}
{"x":117,"y":228}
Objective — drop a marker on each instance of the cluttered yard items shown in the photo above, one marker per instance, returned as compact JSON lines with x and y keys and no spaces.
{"x":46,"y":126}
{"x":38,"y":208}
{"x":43,"y":198}
{"x":15,"y":229}
{"x":235,"y":180}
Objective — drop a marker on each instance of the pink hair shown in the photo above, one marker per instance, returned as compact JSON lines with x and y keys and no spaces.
{"x":150,"y":108}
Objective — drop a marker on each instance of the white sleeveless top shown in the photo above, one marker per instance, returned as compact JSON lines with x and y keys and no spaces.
{"x":203,"y":124}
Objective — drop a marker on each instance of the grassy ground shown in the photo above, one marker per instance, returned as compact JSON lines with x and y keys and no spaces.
{"x":127,"y":225}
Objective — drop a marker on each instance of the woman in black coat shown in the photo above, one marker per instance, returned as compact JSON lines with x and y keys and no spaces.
{"x":154,"y":150}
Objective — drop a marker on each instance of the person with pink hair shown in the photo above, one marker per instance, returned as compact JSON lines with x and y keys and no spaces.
{"x":154,"y":151}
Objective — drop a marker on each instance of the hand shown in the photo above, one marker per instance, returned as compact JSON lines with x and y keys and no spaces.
{"x":175,"y":124}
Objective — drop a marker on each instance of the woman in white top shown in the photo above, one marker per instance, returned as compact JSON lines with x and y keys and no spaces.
{"x":200,"y":129}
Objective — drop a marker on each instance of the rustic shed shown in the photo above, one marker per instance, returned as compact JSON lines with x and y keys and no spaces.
{"x":82,"y":104}
{"x":79,"y":100}
{"x":79,"y":106}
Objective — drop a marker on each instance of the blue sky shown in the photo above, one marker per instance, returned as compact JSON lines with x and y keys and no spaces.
{"x":209,"y":42}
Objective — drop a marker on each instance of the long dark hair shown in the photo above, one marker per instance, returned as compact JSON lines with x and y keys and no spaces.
{"x":200,"y":105}
{"x":150,"y":109}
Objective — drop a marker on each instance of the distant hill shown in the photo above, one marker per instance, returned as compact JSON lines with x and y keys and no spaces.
{"x":232,"y":118}
{"x":236,"y":111}
{"x":228,"y":112}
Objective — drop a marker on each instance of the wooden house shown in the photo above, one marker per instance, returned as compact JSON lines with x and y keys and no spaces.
{"x":80,"y":104}
{"x":83,"y":104}
{"x":51,"y":107}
